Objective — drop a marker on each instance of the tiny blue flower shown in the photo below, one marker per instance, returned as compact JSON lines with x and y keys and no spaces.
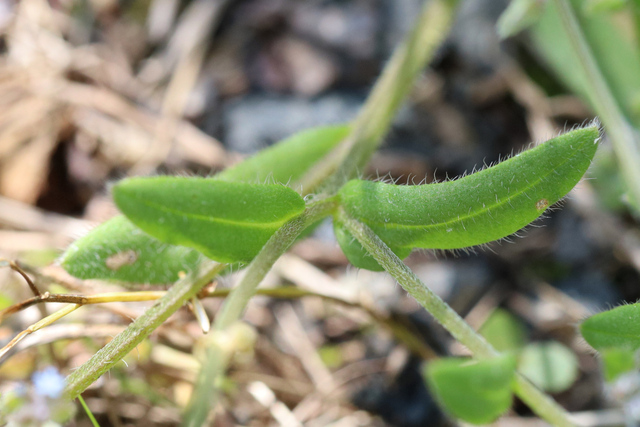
{"x":48,"y":382}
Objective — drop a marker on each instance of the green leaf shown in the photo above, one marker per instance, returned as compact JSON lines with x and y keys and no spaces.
{"x":479,"y":208}
{"x":551,"y":366}
{"x":617,"y":361}
{"x":226,"y":221}
{"x":615,"y":55}
{"x":476,"y":392}
{"x":616,"y":328}
{"x":288,"y":160}
{"x":118,"y":250}
{"x":504,"y":331}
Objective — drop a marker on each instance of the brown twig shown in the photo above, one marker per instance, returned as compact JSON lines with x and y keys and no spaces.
{"x":81,"y":300}
{"x":406,"y":337}
{"x":16,"y":267}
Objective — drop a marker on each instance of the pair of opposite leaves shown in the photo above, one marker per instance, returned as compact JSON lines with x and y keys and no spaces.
{"x":229,"y":219}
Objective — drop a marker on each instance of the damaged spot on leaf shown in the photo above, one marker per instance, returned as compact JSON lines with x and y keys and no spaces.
{"x":542,"y":204}
{"x":116,"y":261}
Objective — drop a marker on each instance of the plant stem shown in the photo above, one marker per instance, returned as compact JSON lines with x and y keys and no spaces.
{"x":128,"y":339}
{"x":93,"y":420}
{"x":634,"y":7}
{"x":392,"y":87}
{"x":624,"y":137}
{"x":217,"y":357}
{"x":539,"y":402}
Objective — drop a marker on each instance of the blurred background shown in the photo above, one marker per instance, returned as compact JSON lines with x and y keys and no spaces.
{"x":92,"y":91}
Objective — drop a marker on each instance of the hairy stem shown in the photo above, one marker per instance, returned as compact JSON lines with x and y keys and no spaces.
{"x":128,"y":339}
{"x":624,"y":137}
{"x":539,"y":402}
{"x":217,"y":357}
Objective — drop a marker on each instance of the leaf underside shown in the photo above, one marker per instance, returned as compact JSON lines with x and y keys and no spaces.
{"x":118,"y":250}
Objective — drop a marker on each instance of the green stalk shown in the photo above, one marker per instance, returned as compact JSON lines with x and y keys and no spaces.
{"x":93,"y":420}
{"x":218,"y":357}
{"x":624,"y":137}
{"x":127,"y":340}
{"x":538,"y":401}
{"x":392,"y":87}
{"x":634,"y":7}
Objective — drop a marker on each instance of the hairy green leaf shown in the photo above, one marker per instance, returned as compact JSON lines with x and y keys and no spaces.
{"x":226,"y":221}
{"x":288,"y":160}
{"x":552,"y":366}
{"x":617,"y":361}
{"x":616,"y":328}
{"x":479,"y":208}
{"x":474,"y":391}
{"x":118,"y":250}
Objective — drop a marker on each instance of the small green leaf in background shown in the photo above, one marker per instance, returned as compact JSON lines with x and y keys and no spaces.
{"x":226,"y":221}
{"x":519,"y":15}
{"x":288,"y":160}
{"x":551,"y":366}
{"x":504,"y":331}
{"x":118,"y":250}
{"x":616,"y":328}
{"x":617,"y":361}
{"x":476,"y":209}
{"x":477,"y":392}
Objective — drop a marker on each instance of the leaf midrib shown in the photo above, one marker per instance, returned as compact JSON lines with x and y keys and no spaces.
{"x":213,"y":219}
{"x":614,"y":334}
{"x":459,"y":219}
